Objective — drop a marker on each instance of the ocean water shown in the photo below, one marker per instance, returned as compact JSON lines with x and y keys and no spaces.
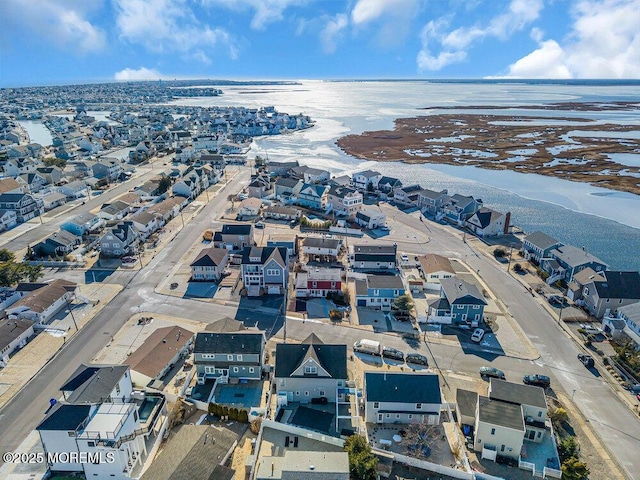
{"x":605,"y":222}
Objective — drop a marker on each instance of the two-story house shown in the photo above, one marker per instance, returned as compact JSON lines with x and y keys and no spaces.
{"x":379,"y":291}
{"x":14,"y":334}
{"x":209,"y":264}
{"x":234,"y":236}
{"x":370,"y":218}
{"x":287,"y":189}
{"x":459,"y":302}
{"x":109,"y":169}
{"x":459,"y":208}
{"x":310,"y":369}
{"x":366,"y":181}
{"x":489,"y":223}
{"x":321,"y":249}
{"x":434,"y":268}
{"x":24,"y":205}
{"x":537,"y":246}
{"x":265,"y":270}
{"x":229,"y":355}
{"x":53,"y":175}
{"x":609,"y":291}
{"x":625,"y":320}
{"x":318,"y":282}
{"x":408,"y":195}
{"x":119,"y":241}
{"x":313,"y":196}
{"x":32,"y":182}
{"x":279,"y":212}
{"x":565,"y":261}
{"x":431,"y":202}
{"x":114,"y":211}
{"x":344,"y":200}
{"x":83,"y":224}
{"x":402,"y":398}
{"x":260,"y":186}
{"x":8,"y":219}
{"x":145,"y":223}
{"x":387,"y":185}
{"x":374,"y":257}
{"x":75,"y":189}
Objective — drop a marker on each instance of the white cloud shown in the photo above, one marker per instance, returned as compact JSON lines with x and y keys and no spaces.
{"x":332,"y":31}
{"x":536,"y":34}
{"x":604,"y":42}
{"x":142,"y":73}
{"x":266,"y":11}
{"x":169,"y":26}
{"x":62,"y":24}
{"x":454,"y":44}
{"x":393,"y":18}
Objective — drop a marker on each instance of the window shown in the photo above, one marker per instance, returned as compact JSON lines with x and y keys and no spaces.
{"x":310,"y":370}
{"x":208,"y":355}
{"x":540,"y":414}
{"x":273,"y":272}
{"x":418,"y":406}
{"x":322,"y":393}
{"x":235,"y":369}
{"x":539,"y":434}
{"x":502,"y":448}
{"x":410,"y":416}
{"x":117,"y":389}
{"x":105,"y":245}
{"x":71,"y":434}
{"x":306,"y":394}
{"x":209,"y":369}
{"x":493,"y":431}
{"x":376,"y":404}
{"x":251,"y":369}
{"x":397,"y":416}
{"x":239,"y":358}
{"x":229,"y":357}
{"x":376,"y":292}
{"x":297,"y":393}
{"x":135,"y":415}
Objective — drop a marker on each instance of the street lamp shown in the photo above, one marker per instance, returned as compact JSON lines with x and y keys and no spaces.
{"x":573,"y":393}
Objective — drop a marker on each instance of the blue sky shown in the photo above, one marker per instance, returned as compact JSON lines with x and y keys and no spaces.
{"x":46,"y":42}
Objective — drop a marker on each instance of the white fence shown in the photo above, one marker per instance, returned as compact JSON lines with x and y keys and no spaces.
{"x":433,"y":467}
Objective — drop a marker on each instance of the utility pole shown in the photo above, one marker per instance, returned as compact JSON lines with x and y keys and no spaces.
{"x":71,"y":312}
{"x":510,"y":253}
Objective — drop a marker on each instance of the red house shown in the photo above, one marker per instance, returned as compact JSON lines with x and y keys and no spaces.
{"x":318,"y":282}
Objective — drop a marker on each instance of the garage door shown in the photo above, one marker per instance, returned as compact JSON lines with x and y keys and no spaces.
{"x":362,"y":303}
{"x":274,"y":290}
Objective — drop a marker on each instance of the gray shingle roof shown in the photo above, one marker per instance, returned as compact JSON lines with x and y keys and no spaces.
{"x":402,"y":387}
{"x":541,"y":240}
{"x":12,"y":329}
{"x":460,"y":292}
{"x":376,"y":249}
{"x":93,"y":383}
{"x":516,"y":393}
{"x":333,"y":358}
{"x":242,"y":343}
{"x":385,"y":281}
{"x":496,"y":412}
{"x":237,"y":229}
{"x":574,"y":256}
{"x":321,"y":242}
{"x":467,"y":401}
{"x":624,"y":285}
{"x":210,"y":257}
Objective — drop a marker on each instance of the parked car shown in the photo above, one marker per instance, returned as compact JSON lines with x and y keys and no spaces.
{"x":537,"y":380}
{"x":491,"y":372}
{"x":587,"y":360}
{"x":384,"y":228}
{"x":477,"y":335}
{"x":392,"y":353}
{"x":404,"y":258}
{"x":417,"y":358}
{"x":259,"y":225}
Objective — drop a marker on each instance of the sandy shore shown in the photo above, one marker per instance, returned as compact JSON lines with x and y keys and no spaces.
{"x":542,"y":145}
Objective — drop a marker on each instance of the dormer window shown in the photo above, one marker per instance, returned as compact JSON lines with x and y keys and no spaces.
{"x":310,"y":370}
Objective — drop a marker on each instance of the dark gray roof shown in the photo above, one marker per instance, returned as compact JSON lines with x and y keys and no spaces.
{"x":376,"y":249}
{"x":485,"y":216}
{"x":389,"y":180}
{"x":363,"y":216}
{"x":517,"y":393}
{"x":210,"y":257}
{"x":467,"y":401}
{"x":541,"y":240}
{"x":440,"y":304}
{"x":63,"y":237}
{"x":431,"y":194}
{"x":402,"y":387}
{"x":333,"y":358}
{"x":243,"y":343}
{"x":12,"y":329}
{"x":496,"y":412}
{"x":361,"y":287}
{"x":460,"y":292}
{"x":574,"y":256}
{"x":619,"y":285}
{"x":321,"y":242}
{"x":288,"y":182}
{"x":279,"y":254}
{"x":367,"y":173}
{"x":194,"y":453}
{"x":236,"y":229}
{"x":385,"y":281}
{"x":64,"y":417}
{"x":93,"y":383}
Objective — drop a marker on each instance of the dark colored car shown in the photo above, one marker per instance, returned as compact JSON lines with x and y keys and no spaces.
{"x":491,"y":372}
{"x":587,"y":360}
{"x":392,"y":353}
{"x":417,"y":358}
{"x":537,"y":380}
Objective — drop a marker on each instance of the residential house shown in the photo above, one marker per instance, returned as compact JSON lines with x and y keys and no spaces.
{"x":344,"y":200}
{"x":310,"y":369}
{"x":53,"y":200}
{"x":279,"y":212}
{"x":341,"y":181}
{"x":286,"y":240}
{"x":310,"y":175}
{"x":265,"y":270}
{"x":566,"y":260}
{"x":209,"y":143}
{"x":57,"y":244}
{"x":114,"y":211}
{"x":537,"y":246}
{"x":119,"y":241}
{"x":408,"y":195}
{"x":234,"y":236}
{"x":8,"y":219}
{"x":321,"y":249}
{"x":431,"y":202}
{"x":10,"y":185}
{"x":239,"y":355}
{"x":14,"y":334}
{"x":209,"y":264}
{"x":96,"y":383}
{"x":167,"y":209}
{"x":387,"y":185}
{"x":158,"y":354}
{"x":366,"y":181}
{"x":145,"y":223}
{"x":378,"y":291}
{"x":83,"y":224}
{"x":459,"y":302}
{"x":249,"y":207}
{"x":459,"y":208}
{"x":32,"y":182}
{"x":53,"y":175}
{"x":318,"y":282}
{"x":370,"y":218}
{"x":402,"y":398}
{"x":280,"y":168}
{"x":73,"y":190}
{"x":43,"y":301}
{"x":313,"y":196}
{"x":260,"y":186}
{"x":287,"y":189}
{"x":310,"y":465}
{"x":609,"y":291}
{"x":24,"y":205}
{"x":149,"y":190}
{"x":374,"y":257}
{"x":109,"y":169}
{"x":489,"y":223}
{"x":629,"y":315}
{"x":498,"y":426}
{"x":434,"y":268}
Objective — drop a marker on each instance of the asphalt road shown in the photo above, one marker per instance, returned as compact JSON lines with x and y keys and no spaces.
{"x":22,"y":414}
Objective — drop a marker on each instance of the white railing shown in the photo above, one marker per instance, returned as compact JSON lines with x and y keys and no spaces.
{"x":433,"y":467}
{"x":527,"y":466}
{"x":551,"y":472}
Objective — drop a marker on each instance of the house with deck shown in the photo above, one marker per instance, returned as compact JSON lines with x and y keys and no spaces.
{"x":83,"y":224}
{"x":344,"y":201}
{"x":379,"y":291}
{"x":287,"y":189}
{"x":537,"y":246}
{"x":434,"y":268}
{"x":209,"y":264}
{"x":460,"y":302}
{"x":489,"y":223}
{"x":119,"y":241}
{"x":366,"y":181}
{"x":321,"y":249}
{"x":370,"y":218}
{"x":265,"y":270}
{"x":609,"y":291}
{"x":57,"y":244}
{"x":373,"y":257}
{"x":234,"y":236}
{"x":313,"y":196}
{"x":43,"y":300}
{"x":565,"y":261}
{"x":459,"y":208}
{"x":430,"y":202}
